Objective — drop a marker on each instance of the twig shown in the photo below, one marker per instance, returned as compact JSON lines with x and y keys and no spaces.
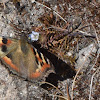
{"x":98,"y":41}
{"x":96,"y":35}
{"x":92,"y":82}
{"x":51,"y":10}
{"x":52,"y":86}
{"x":68,"y":93}
{"x":95,"y":61}
{"x":57,"y":89}
{"x":59,"y":96}
{"x":79,"y":71}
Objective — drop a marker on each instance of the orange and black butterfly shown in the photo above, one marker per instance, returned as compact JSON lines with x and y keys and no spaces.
{"x":24,"y":60}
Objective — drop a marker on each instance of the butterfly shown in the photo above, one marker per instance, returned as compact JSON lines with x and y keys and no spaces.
{"x":24,"y":60}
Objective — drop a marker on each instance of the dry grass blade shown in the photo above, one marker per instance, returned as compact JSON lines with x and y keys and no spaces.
{"x":96,"y":35}
{"x":51,"y":10}
{"x":92,"y":82}
{"x":94,"y":63}
{"x":56,"y":89}
{"x":68,"y":93}
{"x":59,"y":96}
{"x":79,"y":71}
{"x":52,"y":86}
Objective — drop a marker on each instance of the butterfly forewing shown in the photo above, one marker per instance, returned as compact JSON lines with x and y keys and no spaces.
{"x":24,"y":60}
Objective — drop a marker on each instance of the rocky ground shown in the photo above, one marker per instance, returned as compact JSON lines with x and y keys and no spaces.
{"x":68,"y":29}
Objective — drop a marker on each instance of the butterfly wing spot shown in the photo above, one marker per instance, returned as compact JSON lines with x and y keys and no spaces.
{"x":3,"y":48}
{"x":39,"y":54}
{"x":4,"y":40}
{"x":34,"y":50}
{"x":39,"y":57}
{"x":41,"y":60}
{"x":41,"y":63}
{"x":46,"y":60}
{"x":36,"y":60}
{"x":9,"y":56}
